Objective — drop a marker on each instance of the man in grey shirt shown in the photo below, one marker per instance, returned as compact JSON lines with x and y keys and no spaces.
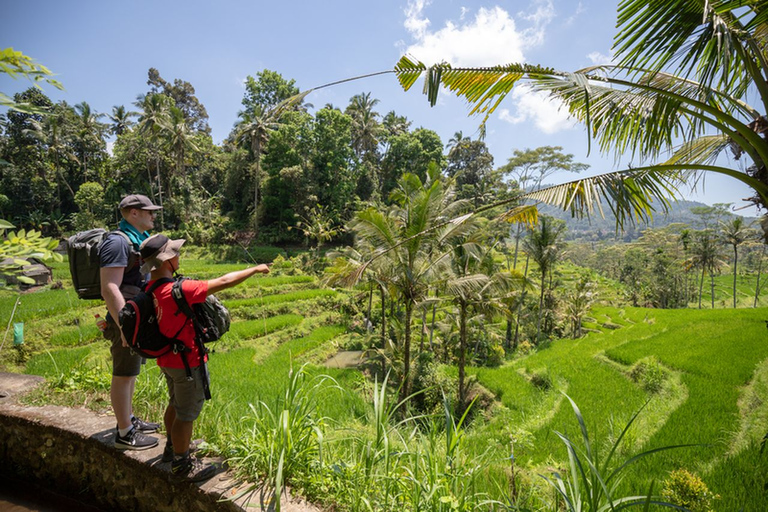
{"x":121,"y":279}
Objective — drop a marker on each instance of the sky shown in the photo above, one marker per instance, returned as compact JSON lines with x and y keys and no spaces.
{"x":101,"y":52}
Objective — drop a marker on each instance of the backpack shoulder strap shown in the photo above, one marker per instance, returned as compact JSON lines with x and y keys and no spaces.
{"x":124,"y":235}
{"x":157,"y":283}
{"x":181,"y":302}
{"x":133,"y":254}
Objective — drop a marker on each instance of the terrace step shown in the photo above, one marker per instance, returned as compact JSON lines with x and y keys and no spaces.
{"x":72,"y":449}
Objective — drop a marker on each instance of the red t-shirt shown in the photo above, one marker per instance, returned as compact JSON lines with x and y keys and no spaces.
{"x":170,"y":323}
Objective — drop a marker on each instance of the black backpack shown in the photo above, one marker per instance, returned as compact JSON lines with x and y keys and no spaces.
{"x":84,"y":262}
{"x":138,"y":322}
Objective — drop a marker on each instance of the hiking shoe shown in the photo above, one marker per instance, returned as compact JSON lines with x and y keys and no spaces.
{"x":144,"y":426}
{"x":190,"y":469}
{"x":134,"y":440}
{"x":168,"y":450}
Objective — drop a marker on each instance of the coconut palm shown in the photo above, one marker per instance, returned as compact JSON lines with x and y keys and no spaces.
{"x":121,"y":119}
{"x":705,"y":255}
{"x":50,"y":132}
{"x":253,"y":132}
{"x":366,"y":129}
{"x":682,"y":71}
{"x":89,"y":133}
{"x":545,"y":246}
{"x":735,"y":232}
{"x":179,"y":139}
{"x":154,"y":121}
{"x":405,"y":235}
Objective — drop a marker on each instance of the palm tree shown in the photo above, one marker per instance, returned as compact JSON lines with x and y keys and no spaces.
{"x":155,"y":121}
{"x":49,"y":131}
{"x":89,"y":134}
{"x":705,"y":255}
{"x":405,"y":235}
{"x":179,"y":139}
{"x":682,"y":72}
{"x":253,"y":132}
{"x":545,"y":246}
{"x":121,"y":119}
{"x":735,"y":233}
{"x":366,"y":130}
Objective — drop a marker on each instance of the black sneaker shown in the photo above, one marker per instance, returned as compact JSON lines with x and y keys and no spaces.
{"x":134,"y":440}
{"x":145,"y":426}
{"x":190,"y":469}
{"x":168,"y":450}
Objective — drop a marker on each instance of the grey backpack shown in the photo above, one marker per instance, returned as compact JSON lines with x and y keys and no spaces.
{"x":84,"y":263}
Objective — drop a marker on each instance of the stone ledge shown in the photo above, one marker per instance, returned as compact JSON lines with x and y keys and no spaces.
{"x":71,"y":450}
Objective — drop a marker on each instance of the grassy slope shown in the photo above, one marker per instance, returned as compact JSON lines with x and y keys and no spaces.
{"x":716,"y":353}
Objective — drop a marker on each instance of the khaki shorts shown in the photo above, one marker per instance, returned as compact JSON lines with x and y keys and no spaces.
{"x":125,"y":362}
{"x":186,"y":396}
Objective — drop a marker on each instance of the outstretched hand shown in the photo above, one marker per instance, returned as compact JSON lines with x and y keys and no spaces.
{"x":264,"y":269}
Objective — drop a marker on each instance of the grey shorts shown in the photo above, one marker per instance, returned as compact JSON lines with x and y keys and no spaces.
{"x":186,"y":396}
{"x":125,"y":362}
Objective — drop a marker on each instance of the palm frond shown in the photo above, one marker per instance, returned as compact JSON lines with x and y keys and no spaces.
{"x":466,"y":285}
{"x":632,"y":195}
{"x":483,"y":88}
{"x":526,"y":214}
{"x":702,"y":150}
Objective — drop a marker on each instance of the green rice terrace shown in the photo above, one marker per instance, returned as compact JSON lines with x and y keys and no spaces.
{"x":690,"y":380}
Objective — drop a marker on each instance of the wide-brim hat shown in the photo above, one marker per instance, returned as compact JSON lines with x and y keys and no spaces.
{"x":138,"y":201}
{"x":158,"y":249}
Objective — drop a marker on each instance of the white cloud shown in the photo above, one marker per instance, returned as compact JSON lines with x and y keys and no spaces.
{"x":543,"y":13}
{"x":599,"y":59}
{"x":487,"y":39}
{"x":547,"y":114}
{"x":492,"y":36}
{"x":572,"y":18}
{"x":415,"y":22}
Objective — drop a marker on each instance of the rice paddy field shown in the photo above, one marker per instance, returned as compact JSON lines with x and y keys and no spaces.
{"x":699,"y":378}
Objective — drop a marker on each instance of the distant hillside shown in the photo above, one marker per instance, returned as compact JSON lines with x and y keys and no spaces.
{"x":597,"y":228}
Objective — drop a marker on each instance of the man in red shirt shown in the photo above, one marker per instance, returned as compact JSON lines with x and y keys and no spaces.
{"x":161,"y":258}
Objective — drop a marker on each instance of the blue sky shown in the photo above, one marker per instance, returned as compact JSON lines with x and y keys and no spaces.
{"x":101,"y":52}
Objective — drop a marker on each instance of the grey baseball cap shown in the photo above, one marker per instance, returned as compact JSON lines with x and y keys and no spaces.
{"x":138,"y":201}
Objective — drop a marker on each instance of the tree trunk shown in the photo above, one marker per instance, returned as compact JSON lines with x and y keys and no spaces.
{"x":423,"y":329}
{"x":541,"y":307}
{"x":759,"y":268}
{"x":383,"y":317}
{"x":701,"y":285}
{"x":735,"y":264}
{"x":712,"y":288}
{"x":462,"y":355}
{"x":432,"y":323}
{"x":517,"y":245}
{"x":369,"y":324}
{"x":520,"y":308}
{"x":160,"y":192}
{"x":405,"y":388}
{"x":256,"y":179}
{"x":508,"y":336}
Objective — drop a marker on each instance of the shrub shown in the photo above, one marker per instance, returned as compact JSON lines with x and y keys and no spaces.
{"x":650,"y":374}
{"x":525,"y":347}
{"x":686,"y":489}
{"x":541,"y":379}
{"x":495,"y":356}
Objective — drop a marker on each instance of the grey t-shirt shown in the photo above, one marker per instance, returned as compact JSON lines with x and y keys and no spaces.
{"x":115,"y":252}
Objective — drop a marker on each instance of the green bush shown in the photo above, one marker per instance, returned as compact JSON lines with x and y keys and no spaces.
{"x":686,"y":489}
{"x":496,"y":356}
{"x":541,"y":379}
{"x":650,"y":374}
